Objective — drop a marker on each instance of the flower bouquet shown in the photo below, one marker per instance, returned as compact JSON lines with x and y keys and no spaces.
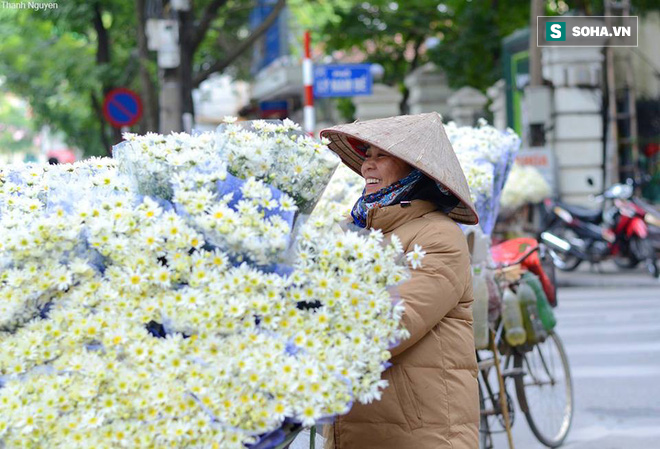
{"x":486,"y":155}
{"x":146,"y":302}
{"x":525,"y":185}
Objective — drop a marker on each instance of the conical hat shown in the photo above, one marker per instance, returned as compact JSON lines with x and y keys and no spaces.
{"x":420,"y":140}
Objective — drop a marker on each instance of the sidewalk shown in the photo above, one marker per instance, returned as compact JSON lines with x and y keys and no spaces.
{"x":607,"y":275}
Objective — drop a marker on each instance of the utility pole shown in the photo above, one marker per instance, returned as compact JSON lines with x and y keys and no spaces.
{"x":537,"y":96}
{"x":535,"y":70}
{"x":611,"y":145}
{"x":622,"y":145}
{"x":169,"y":59}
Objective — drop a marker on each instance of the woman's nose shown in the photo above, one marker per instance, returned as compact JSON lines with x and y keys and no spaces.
{"x":367,"y":164}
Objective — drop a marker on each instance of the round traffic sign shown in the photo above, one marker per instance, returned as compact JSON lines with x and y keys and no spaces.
{"x":122,"y":107}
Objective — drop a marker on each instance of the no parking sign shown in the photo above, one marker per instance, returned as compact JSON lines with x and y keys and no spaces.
{"x":122,"y":107}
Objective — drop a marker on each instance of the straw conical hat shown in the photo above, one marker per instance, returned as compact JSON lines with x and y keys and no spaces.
{"x":420,"y":140}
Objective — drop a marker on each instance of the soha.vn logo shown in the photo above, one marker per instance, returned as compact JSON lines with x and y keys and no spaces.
{"x":555,"y":31}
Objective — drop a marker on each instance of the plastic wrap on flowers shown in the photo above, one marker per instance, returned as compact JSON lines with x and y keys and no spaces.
{"x":486,"y":155}
{"x":280,"y":154}
{"x":152,"y":160}
{"x":344,"y":189}
{"x":210,"y":380}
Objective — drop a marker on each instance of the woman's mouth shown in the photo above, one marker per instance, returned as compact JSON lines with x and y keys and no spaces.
{"x":371,"y":181}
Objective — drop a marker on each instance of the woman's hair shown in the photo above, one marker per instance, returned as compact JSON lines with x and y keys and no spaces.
{"x":427,"y":189}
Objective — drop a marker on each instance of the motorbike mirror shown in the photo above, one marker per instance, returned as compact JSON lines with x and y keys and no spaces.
{"x":619,"y":191}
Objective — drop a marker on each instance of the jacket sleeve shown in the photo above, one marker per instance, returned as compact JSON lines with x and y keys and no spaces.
{"x":436,"y":287}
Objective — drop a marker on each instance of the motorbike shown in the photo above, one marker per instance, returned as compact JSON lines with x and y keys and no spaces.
{"x":652,"y":218}
{"x":574,"y":234}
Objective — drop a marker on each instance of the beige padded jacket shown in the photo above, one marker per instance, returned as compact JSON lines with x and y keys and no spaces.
{"x":432,"y":400}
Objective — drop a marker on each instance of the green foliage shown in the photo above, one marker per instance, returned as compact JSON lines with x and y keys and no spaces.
{"x":16,"y":130}
{"x":228,"y":28}
{"x":469,"y":50}
{"x":387,"y":33}
{"x":57,"y":61}
{"x":469,"y":33}
{"x":49,"y":58}
{"x":346,"y":109}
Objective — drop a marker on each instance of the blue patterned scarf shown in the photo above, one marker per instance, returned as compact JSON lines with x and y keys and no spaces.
{"x":384,"y":197}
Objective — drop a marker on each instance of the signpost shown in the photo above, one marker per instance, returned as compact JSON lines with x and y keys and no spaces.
{"x":342,"y":80}
{"x":122,"y":107}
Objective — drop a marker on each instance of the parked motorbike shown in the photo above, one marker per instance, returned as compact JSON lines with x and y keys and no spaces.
{"x":620,"y":231}
{"x":652,"y":218}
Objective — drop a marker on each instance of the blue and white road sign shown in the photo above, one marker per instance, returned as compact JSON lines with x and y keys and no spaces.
{"x":122,"y":107}
{"x":342,"y":80}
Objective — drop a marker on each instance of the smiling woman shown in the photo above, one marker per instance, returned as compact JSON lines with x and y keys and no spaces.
{"x":415,"y":189}
{"x":381,"y":169}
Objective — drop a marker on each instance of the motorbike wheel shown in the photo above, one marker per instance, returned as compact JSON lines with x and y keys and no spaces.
{"x":565,"y":261}
{"x":626,"y":259}
{"x":642,"y":249}
{"x":652,"y":265}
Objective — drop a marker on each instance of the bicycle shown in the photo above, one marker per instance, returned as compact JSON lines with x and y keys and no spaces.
{"x":540,"y":372}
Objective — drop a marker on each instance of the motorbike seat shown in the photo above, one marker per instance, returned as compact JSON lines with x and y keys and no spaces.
{"x":648,"y":207}
{"x":583,"y":213}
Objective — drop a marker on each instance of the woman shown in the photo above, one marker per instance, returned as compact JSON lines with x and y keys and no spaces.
{"x":416,"y":189}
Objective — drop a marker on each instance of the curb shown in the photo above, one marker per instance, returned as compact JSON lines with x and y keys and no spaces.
{"x":575,"y":283}
{"x":609,"y":276}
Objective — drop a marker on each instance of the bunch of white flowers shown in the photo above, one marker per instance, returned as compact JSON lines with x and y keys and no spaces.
{"x":524,"y":185}
{"x":280,"y":154}
{"x":151,"y":161}
{"x":249,"y":219}
{"x":129,"y":321}
{"x":486,"y":155}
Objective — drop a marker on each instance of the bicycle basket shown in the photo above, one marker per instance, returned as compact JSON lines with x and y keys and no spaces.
{"x":512,"y":250}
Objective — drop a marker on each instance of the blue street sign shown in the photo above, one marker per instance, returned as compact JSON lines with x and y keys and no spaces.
{"x":122,"y":107}
{"x":342,"y":80}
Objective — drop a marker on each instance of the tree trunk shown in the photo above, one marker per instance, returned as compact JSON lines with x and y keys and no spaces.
{"x":186,"y":68}
{"x":149,"y":98}
{"x":403,"y":106}
{"x":103,"y":57}
{"x":102,"y":125}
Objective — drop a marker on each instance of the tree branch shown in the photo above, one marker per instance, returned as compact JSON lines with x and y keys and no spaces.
{"x":103,"y":47}
{"x":219,"y":66}
{"x":210,"y":13}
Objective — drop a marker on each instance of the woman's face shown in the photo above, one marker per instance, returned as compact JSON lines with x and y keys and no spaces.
{"x":381,"y":169}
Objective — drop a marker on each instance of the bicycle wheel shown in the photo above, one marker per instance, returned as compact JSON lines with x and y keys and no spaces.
{"x":545,"y":390}
{"x":484,"y":429}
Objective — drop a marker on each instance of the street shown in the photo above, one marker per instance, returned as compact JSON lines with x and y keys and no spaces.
{"x":610,"y":325}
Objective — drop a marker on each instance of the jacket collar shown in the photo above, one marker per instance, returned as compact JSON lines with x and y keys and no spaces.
{"x":389,"y":218}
